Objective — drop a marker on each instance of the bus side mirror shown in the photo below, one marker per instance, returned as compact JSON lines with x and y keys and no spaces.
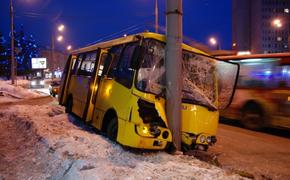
{"x":138,"y":55}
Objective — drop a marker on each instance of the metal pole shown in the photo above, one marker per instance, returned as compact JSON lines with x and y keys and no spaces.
{"x":156,"y":16}
{"x":13,"y":64}
{"x":52,"y":61}
{"x":174,"y":68}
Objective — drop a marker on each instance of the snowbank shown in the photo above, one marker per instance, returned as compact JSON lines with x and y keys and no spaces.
{"x":50,"y":144}
{"x":75,"y":151}
{"x":17,"y":91}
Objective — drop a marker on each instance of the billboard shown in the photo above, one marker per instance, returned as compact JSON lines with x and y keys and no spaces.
{"x":38,"y":63}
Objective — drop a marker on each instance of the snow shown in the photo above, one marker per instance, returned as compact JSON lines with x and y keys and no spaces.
{"x":66,"y":148}
{"x":17,"y":91}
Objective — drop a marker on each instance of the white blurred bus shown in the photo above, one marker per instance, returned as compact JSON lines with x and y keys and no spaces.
{"x":262,"y":97}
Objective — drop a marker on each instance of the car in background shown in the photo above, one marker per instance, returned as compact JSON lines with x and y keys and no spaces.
{"x":37,"y":82}
{"x":54,"y":87}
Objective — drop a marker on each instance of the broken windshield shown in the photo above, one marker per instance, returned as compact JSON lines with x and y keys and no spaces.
{"x":199,"y":75}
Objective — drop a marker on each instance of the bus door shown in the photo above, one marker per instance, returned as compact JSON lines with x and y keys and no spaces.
{"x":63,"y":91}
{"x":115,"y":87}
{"x":96,"y":79}
{"x":81,"y":83}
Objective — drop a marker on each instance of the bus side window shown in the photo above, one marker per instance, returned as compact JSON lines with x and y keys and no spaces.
{"x":112,"y":60}
{"x":77,"y":64}
{"x":87,"y":65}
{"x":124,"y":73}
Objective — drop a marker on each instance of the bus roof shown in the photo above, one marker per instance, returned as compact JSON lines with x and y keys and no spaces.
{"x":285,"y":57}
{"x":131,"y":38}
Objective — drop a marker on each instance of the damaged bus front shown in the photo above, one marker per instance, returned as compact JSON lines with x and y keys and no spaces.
{"x":208,"y":86}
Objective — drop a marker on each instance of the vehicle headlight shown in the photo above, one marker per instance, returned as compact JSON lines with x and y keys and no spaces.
{"x":41,"y":82}
{"x":202,"y":139}
{"x":208,"y":139}
{"x":33,"y":83}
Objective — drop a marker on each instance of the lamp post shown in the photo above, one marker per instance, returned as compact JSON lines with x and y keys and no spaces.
{"x":156,"y":16}
{"x":13,"y":63}
{"x":59,"y":38}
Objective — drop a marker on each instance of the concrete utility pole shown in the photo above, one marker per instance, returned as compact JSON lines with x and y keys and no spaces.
{"x":173,"y":68}
{"x":13,"y":64}
{"x":156,"y":16}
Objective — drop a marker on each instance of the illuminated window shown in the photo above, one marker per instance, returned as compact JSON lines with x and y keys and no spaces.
{"x":286,"y":10}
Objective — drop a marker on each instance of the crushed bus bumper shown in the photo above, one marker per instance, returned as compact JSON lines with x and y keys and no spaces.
{"x":144,"y":136}
{"x":200,"y":141}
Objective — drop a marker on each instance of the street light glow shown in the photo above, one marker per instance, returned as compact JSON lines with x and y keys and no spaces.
{"x":69,"y":47}
{"x":213,"y":41}
{"x":60,"y":38}
{"x":60,"y":28}
{"x":277,"y":23}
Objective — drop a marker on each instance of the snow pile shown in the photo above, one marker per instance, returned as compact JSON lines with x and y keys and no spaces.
{"x":74,"y":151}
{"x":16,"y":91}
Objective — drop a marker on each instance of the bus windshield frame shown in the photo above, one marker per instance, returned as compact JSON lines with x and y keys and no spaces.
{"x":204,"y":82}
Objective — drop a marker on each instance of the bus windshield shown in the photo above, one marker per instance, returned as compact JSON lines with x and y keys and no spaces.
{"x":199,"y":74}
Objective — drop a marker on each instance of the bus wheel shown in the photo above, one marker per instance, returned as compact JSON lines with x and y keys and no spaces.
{"x":69,"y":105}
{"x":112,"y":129}
{"x":252,"y":117}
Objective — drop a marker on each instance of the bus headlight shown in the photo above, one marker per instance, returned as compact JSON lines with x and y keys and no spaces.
{"x":145,"y":130}
{"x":208,"y":139}
{"x":33,"y":83}
{"x":202,"y":139}
{"x":42,"y":82}
{"x":154,"y":131}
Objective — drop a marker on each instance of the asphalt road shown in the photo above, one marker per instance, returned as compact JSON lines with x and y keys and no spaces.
{"x":257,"y":154}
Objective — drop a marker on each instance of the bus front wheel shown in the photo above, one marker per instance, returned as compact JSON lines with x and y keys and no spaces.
{"x":252,"y":117}
{"x":112,"y":129}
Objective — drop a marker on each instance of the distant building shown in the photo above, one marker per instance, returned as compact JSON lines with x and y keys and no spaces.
{"x":254,"y":29}
{"x":55,"y":59}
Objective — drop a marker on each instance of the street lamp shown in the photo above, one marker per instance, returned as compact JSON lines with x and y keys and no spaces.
{"x":277,"y":23}
{"x":213,"y":41}
{"x":59,"y":38}
{"x":69,"y":47}
{"x":60,"y":28}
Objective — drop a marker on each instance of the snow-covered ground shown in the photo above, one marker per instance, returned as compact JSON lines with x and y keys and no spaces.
{"x":40,"y":141}
{"x":17,"y":91}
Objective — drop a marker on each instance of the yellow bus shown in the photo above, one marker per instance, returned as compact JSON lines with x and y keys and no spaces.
{"x":118,"y":86}
{"x":262,"y":97}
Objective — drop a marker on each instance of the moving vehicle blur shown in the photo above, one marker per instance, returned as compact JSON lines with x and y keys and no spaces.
{"x":262,"y":97}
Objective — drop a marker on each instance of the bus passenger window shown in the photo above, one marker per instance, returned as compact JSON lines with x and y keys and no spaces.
{"x":112,"y":61}
{"x":77,"y":63}
{"x":124,"y":73}
{"x":87,"y":65}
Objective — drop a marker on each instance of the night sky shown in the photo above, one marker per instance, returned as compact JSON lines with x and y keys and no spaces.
{"x":88,"y":21}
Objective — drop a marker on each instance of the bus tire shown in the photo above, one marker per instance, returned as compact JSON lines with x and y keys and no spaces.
{"x":112,"y":129}
{"x":69,"y":105}
{"x":252,"y":117}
